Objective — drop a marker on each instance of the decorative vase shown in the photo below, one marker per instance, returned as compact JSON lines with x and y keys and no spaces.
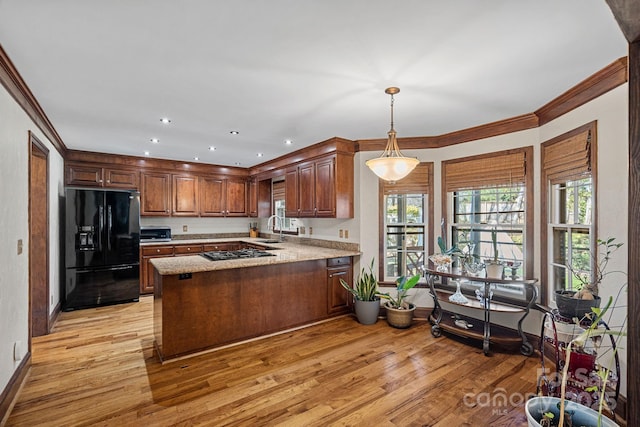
{"x":574,"y":307}
{"x":494,"y":270}
{"x":400,"y":318}
{"x":582,"y":416}
{"x":458,"y":297}
{"x":367,"y":311}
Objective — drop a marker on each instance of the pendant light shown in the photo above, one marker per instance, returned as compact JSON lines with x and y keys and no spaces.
{"x":392,"y":165}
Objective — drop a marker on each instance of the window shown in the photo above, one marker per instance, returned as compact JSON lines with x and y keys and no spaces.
{"x":569,"y":192}
{"x":290,"y":225}
{"x":492,"y":192}
{"x":406,"y":208}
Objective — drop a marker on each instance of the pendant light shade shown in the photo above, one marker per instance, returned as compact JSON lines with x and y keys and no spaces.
{"x":392,"y":165}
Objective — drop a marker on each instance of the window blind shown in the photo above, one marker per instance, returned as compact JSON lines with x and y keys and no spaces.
{"x":567,"y":159}
{"x":278,"y":190}
{"x":486,"y":171}
{"x":417,"y":182}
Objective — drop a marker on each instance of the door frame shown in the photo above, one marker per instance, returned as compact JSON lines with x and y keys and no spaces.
{"x":37,"y":148}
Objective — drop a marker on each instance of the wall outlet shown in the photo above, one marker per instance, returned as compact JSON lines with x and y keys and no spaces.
{"x":185,"y":228}
{"x":341,"y":234}
{"x":19,"y":246}
{"x":310,"y":231}
{"x":302,"y":230}
{"x":346,"y":234}
{"x":51,"y":300}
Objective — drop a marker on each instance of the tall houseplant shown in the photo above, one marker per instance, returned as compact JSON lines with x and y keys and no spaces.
{"x":365,"y":294}
{"x":400,"y":311}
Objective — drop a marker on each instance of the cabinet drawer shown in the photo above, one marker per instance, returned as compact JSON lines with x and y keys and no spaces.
{"x":332,"y":262}
{"x":221,"y":247}
{"x":157,"y":250}
{"x":188,"y":249}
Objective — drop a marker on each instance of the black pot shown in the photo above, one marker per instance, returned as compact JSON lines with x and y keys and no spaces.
{"x":573,"y":307}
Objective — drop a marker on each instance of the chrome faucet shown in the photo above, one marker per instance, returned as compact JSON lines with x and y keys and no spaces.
{"x":280,"y":222}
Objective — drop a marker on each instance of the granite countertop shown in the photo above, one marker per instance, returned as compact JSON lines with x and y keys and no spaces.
{"x":285,"y":252}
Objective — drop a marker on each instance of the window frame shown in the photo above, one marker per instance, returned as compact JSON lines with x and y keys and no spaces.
{"x":546,"y":226}
{"x":428,"y":223}
{"x":528,"y":231}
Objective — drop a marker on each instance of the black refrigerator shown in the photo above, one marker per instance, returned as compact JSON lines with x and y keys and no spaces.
{"x":102,"y":237}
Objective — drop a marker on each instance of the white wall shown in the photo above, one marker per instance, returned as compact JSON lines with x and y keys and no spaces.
{"x":14,"y":192}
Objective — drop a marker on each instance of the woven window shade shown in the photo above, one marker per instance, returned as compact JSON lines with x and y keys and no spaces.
{"x":277,"y":190}
{"x":568,"y":159}
{"x":499,"y":170}
{"x":417,"y":182}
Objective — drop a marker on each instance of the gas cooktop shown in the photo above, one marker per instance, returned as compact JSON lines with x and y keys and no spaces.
{"x":242,"y":253}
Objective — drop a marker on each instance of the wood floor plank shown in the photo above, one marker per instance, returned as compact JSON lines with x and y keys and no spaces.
{"x":98,"y":368}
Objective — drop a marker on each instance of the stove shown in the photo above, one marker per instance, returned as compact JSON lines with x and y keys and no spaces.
{"x":242,"y":253}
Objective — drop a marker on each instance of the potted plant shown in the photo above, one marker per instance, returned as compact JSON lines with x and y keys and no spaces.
{"x":493,"y":266}
{"x":365,"y":294}
{"x":544,"y":410}
{"x":578,"y":303}
{"x":399,"y":311}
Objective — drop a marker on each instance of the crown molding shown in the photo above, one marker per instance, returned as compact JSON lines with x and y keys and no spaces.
{"x":18,"y":89}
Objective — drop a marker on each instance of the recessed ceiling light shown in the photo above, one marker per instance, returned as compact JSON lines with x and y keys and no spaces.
{"x":196,"y":158}
{"x":260,"y":154}
{"x":146,"y":153}
{"x":237,"y":163}
{"x":212,"y":148}
{"x":154,"y":140}
{"x":165,"y":120}
{"x":288,"y":141}
{"x":234,"y":132}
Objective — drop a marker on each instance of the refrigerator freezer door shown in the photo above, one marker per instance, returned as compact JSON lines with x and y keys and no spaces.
{"x":84,"y":233}
{"x":101,"y":286}
{"x":122,"y":227}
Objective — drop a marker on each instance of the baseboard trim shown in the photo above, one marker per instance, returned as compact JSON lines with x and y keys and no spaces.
{"x":10,"y":392}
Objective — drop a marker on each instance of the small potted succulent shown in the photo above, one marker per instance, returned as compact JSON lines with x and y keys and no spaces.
{"x":365,"y":294}
{"x":400,"y":311}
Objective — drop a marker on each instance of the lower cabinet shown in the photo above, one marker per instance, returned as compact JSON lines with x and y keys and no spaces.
{"x":338,"y":299}
{"x":146,"y":269}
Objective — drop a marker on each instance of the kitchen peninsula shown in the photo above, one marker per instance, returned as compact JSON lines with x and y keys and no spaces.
{"x":200,"y":304}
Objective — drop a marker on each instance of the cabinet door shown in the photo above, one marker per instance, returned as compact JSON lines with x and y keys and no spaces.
{"x":253,"y":197}
{"x":325,"y":181}
{"x":236,"y":197}
{"x":119,"y":178}
{"x":155,"y":194}
{"x":212,"y":196}
{"x":306,"y":189}
{"x":339,"y":300}
{"x":147,"y":282}
{"x":185,"y":196}
{"x":291,"y":205}
{"x":86,"y":176}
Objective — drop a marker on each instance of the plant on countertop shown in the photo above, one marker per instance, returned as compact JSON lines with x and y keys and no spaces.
{"x":365,"y":288}
{"x":404,"y":284}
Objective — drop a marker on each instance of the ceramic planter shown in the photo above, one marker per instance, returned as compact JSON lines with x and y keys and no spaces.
{"x":582,"y":416}
{"x":400,"y":318}
{"x":367,"y":311}
{"x":494,"y":270}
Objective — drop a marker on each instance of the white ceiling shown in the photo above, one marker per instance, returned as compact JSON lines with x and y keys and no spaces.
{"x":105,"y":72}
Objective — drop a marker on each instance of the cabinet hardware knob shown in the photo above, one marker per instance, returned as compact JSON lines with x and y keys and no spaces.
{"x":158,"y":250}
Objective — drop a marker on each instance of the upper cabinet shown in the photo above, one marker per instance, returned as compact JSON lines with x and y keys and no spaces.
{"x":155,"y":194}
{"x":223,"y":197}
{"x":98,"y":176}
{"x":185,"y":200}
{"x":322,"y":188}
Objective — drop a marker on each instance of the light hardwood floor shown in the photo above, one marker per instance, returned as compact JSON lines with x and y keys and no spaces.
{"x":97,"y":368}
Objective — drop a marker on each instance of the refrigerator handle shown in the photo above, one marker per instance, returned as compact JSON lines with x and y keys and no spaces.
{"x":109,"y":226}
{"x":101,"y":222}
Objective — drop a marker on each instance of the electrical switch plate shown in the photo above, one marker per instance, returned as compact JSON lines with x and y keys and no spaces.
{"x":346,"y":234}
{"x":310,"y":230}
{"x":19,"y":246}
{"x":185,"y":228}
{"x":341,"y":234}
{"x":302,"y":230}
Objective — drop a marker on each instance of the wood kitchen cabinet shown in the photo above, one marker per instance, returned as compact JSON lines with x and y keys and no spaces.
{"x":253,"y":196}
{"x":223,"y":197}
{"x":98,"y":176}
{"x":318,"y":189}
{"x":155,"y":194}
{"x":146,"y":269}
{"x":338,"y":298}
{"x":185,"y":200}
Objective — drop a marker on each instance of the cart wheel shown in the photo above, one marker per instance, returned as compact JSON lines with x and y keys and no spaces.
{"x":526,"y":349}
{"x":435,"y":331}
